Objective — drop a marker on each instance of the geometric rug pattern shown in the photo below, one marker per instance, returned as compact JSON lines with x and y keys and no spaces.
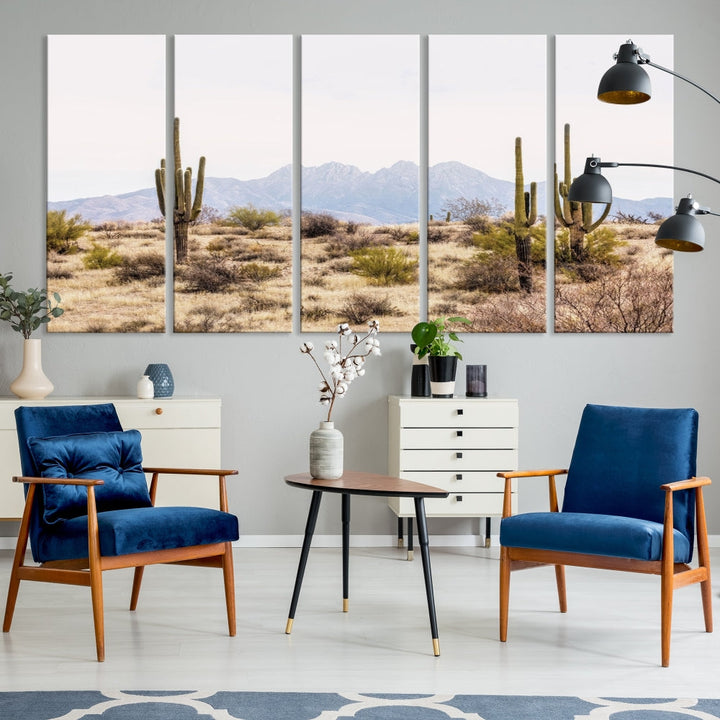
{"x":197,"y":705}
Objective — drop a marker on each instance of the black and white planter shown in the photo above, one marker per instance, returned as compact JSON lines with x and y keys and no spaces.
{"x":442,"y":375}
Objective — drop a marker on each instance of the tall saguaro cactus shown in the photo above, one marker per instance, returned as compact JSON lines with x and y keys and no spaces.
{"x":186,"y":209}
{"x":525,"y":217}
{"x":575,"y":216}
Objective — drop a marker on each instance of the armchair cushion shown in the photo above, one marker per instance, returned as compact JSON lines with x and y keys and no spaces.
{"x":114,"y":457}
{"x":143,"y":529}
{"x":592,"y":534}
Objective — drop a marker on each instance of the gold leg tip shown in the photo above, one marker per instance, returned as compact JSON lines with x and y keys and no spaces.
{"x":346,"y":604}
{"x":288,"y":627}
{"x":410,"y":555}
{"x":436,"y":647}
{"x":401,"y":543}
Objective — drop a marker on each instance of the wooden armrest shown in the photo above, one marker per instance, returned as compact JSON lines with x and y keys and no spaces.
{"x":686,"y":484}
{"x":530,"y":473}
{"x":189,"y":471}
{"x":58,"y":481}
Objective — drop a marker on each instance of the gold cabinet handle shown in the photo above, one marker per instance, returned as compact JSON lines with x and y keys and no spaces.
{"x":158,"y":411}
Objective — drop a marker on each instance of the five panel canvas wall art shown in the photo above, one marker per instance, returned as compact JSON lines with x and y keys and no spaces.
{"x":422,"y":166}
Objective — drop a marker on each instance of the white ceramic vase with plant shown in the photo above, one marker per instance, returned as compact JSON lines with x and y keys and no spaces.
{"x":26,"y":311}
{"x":346,"y":358}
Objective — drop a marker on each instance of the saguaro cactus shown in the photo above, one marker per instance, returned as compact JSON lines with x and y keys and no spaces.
{"x":525,"y":217}
{"x":575,"y":216}
{"x":186,"y":209}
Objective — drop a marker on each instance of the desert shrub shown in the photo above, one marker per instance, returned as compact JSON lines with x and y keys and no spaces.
{"x":463,"y":208}
{"x":633,"y":299}
{"x":384,"y":266}
{"x":351,"y":227}
{"x":360,"y":308}
{"x":317,"y":224}
{"x":64,"y":232}
{"x":257,"y":272}
{"x":488,"y":272}
{"x":58,"y":272}
{"x":101,"y":257}
{"x":143,"y":266}
{"x":318,"y":312}
{"x":600,"y":248}
{"x":437,"y":234}
{"x":252,"y":251}
{"x":208,"y":216}
{"x":479,"y":223}
{"x":210,"y":275}
{"x":517,"y":313}
{"x":253,"y":218}
{"x":342,"y":245}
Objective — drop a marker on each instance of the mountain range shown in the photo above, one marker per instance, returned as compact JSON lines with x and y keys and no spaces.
{"x":387,"y":196}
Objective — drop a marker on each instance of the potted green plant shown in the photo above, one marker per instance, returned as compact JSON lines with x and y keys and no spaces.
{"x":436,"y":341}
{"x":26,"y":311}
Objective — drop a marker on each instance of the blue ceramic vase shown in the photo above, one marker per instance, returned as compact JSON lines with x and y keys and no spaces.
{"x":162,"y":379}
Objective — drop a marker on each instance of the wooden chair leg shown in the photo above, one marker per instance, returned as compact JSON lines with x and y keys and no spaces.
{"x":18,"y":560}
{"x":504,"y":591}
{"x":560,"y":581}
{"x":229,"y":578}
{"x":704,"y":558}
{"x":137,"y":581}
{"x":96,"y":587}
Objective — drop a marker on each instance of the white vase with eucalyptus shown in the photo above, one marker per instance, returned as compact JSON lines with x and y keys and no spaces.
{"x":26,"y":311}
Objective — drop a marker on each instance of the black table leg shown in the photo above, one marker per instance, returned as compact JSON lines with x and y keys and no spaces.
{"x":487,"y":532}
{"x":425,"y":553}
{"x":346,"y":548}
{"x":410,"y":539}
{"x":309,"y":530}
{"x":400,"y":532}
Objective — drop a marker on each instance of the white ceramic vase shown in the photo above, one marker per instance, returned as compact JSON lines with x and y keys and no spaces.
{"x":145,"y":388}
{"x":32,"y":383}
{"x":326,"y":452}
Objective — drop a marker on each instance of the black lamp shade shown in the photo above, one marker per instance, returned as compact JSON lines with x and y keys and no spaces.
{"x":591,"y":186}
{"x":683,"y":231}
{"x":625,"y":83}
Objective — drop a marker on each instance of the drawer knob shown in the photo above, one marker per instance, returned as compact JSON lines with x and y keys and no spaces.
{"x":158,"y":411}
{"x":458,"y":455}
{"x":459,"y":433}
{"x":458,"y":498}
{"x":458,"y":476}
{"x":460,"y":411}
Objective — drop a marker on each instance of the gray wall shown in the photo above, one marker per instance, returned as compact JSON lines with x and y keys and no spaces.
{"x":268,"y":389}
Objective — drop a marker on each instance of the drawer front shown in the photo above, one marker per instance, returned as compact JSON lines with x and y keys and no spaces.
{"x":457,"y":412}
{"x":459,"y":482}
{"x":458,"y":460}
{"x":458,"y":438}
{"x":455,"y":505}
{"x":168,"y":413}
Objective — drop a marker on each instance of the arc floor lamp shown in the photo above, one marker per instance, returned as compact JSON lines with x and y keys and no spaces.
{"x":627,"y":83}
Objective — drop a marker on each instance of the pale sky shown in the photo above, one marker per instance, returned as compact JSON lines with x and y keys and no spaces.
{"x":484,"y":91}
{"x":106,"y":113}
{"x":360,"y":99}
{"x":233,"y":95}
{"x":360,"y":106}
{"x":620,"y":133}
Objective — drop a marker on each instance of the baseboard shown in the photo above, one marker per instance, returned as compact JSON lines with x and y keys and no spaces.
{"x":333,"y":541}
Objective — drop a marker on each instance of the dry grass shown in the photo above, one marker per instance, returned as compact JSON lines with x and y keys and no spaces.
{"x":95,"y":300}
{"x":332,"y":292}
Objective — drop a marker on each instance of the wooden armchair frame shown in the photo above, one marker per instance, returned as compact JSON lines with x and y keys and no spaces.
{"x":88,"y":571}
{"x":672,"y":575}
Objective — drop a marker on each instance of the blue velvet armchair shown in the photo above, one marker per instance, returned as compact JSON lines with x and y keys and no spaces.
{"x":88,"y":508}
{"x":631,"y":502}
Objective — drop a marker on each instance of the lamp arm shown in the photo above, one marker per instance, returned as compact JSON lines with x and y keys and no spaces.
{"x":646,"y":60}
{"x":667,"y":167}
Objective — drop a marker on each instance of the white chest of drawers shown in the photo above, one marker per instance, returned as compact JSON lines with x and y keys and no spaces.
{"x":458,"y":444}
{"x":180,"y":432}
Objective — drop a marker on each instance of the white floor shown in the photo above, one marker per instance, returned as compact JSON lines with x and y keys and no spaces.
{"x":608,"y":644}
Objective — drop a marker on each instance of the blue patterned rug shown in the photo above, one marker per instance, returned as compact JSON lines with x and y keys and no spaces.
{"x":176,"y":705}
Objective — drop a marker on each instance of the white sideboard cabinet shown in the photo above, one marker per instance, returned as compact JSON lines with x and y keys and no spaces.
{"x":458,"y":444}
{"x":179,"y":432}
